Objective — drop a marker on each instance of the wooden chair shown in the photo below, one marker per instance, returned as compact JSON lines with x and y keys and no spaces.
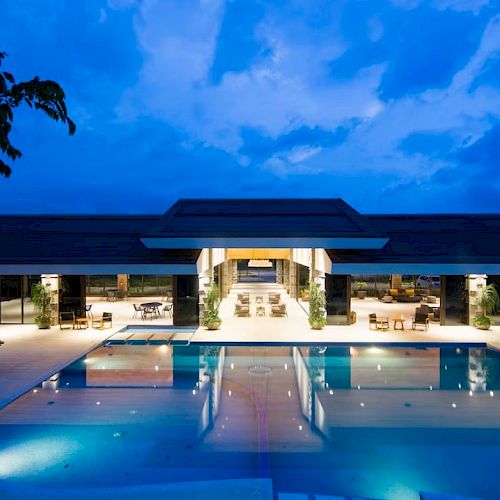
{"x":66,"y":319}
{"x":381,"y":323}
{"x":420,"y":319}
{"x":244,"y":298}
{"x":241,"y":309}
{"x":274,"y":298}
{"x":278,"y":309}
{"x":105,"y":319}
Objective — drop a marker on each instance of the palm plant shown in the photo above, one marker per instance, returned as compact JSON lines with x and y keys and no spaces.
{"x":487,"y":303}
{"x":40,"y":295}
{"x":211,"y":319}
{"x":317,"y":318}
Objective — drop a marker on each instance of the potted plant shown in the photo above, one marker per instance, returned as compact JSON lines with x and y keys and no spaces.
{"x":317,"y":318}
{"x":211,"y":319}
{"x":40,"y":295}
{"x":361,"y":287}
{"x":487,"y":302}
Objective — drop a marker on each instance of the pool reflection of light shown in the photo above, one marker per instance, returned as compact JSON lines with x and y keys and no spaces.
{"x":35,"y":456}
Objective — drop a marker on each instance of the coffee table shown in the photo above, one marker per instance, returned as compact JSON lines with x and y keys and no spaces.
{"x":398,"y":320}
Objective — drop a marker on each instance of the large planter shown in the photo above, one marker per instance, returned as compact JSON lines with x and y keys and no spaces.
{"x":213,"y":325}
{"x":483,"y":323}
{"x":361,"y":294}
{"x":317,"y":324}
{"x":43,"y":324}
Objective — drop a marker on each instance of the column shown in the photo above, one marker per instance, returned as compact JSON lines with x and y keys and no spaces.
{"x":454,"y":309}
{"x":122,"y":285}
{"x":186,"y":308}
{"x":293,"y":280}
{"x":53,"y":281}
{"x":72,"y":295}
{"x":475,"y":285}
{"x":396,"y":281}
{"x":338,"y":299}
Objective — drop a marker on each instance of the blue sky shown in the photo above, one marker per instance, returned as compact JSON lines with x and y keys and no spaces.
{"x":392,"y":105}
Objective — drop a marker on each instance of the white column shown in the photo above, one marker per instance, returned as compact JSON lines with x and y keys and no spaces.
{"x":54,"y":283}
{"x":474,"y":285}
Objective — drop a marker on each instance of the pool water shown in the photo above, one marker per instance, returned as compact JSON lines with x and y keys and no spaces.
{"x":371,"y":422}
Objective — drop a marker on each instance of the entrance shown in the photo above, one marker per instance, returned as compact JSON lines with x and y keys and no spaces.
{"x":256,"y":270}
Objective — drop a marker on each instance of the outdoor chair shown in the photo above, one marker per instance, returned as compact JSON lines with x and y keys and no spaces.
{"x":274,"y":298}
{"x":241,"y":309}
{"x":88,"y":310}
{"x":152,"y":312}
{"x":420,"y":319}
{"x":167,"y":308}
{"x":436,"y":315}
{"x":110,"y":296}
{"x":66,"y":320}
{"x":381,"y":323}
{"x":105,"y":319}
{"x":244,"y":298}
{"x":138,"y":310}
{"x":278,"y":310}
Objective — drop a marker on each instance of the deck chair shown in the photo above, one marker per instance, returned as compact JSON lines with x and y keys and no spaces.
{"x":105,"y":321}
{"x":66,"y":320}
{"x":420,"y":320}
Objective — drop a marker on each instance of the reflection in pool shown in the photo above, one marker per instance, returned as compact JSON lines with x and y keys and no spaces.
{"x":373,"y":422}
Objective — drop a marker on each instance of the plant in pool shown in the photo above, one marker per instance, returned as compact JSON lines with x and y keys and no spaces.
{"x":487,"y":302}
{"x":317,"y":318}
{"x":360,"y":287}
{"x":40,"y":295}
{"x":211,"y":319}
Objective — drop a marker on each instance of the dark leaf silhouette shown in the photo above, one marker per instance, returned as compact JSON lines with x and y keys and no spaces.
{"x":45,"y":95}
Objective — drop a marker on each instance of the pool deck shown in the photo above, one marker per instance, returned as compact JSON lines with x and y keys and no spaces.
{"x":30,"y":355}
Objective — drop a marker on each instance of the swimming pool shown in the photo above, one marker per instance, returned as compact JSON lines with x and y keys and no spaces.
{"x":373,"y":422}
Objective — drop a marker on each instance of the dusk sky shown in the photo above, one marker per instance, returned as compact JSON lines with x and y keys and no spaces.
{"x":393,"y":106}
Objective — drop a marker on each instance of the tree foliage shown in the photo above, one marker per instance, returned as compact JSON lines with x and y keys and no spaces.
{"x":45,"y":95}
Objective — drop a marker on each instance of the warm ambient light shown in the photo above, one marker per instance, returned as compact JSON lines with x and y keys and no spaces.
{"x":260,"y":263}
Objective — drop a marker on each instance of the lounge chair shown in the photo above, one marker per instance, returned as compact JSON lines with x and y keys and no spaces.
{"x":66,"y":320}
{"x":105,"y":319}
{"x":420,"y":319}
{"x":278,"y":310}
{"x":380,"y":323}
{"x":241,"y":309}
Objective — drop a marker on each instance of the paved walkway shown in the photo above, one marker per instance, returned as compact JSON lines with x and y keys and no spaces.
{"x":29,"y":356}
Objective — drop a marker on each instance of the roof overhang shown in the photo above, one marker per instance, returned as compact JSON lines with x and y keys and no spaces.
{"x":374,"y":243}
{"x":79,"y":269}
{"x":416,"y":268}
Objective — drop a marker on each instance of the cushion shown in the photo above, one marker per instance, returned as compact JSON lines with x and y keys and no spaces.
{"x":393,"y":291}
{"x":410,"y":292}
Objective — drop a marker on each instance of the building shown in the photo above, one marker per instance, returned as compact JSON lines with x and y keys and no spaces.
{"x":199,"y":240}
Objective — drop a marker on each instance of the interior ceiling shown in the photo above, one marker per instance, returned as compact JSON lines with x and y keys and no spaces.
{"x":258,"y":253}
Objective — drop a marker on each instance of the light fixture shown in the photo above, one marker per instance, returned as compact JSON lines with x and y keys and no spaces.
{"x":260,"y":263}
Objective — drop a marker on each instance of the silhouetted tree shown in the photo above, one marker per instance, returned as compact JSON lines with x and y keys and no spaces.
{"x":39,"y":94}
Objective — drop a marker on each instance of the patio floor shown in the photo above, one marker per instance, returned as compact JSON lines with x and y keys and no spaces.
{"x":295,"y":329}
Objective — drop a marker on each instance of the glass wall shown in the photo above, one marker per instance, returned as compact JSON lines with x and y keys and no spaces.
{"x":99,"y":284}
{"x":15,"y":298}
{"x":149,"y":285}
